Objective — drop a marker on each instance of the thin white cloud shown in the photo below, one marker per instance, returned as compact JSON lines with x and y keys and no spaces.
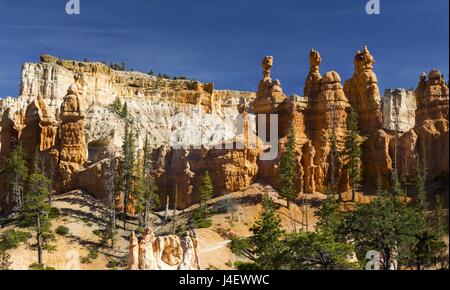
{"x":69,"y":29}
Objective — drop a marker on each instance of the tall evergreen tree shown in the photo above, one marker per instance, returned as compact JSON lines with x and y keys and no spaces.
{"x":36,"y":210}
{"x":16,"y":174}
{"x":128,"y":166}
{"x":420,"y":182}
{"x":288,"y":169}
{"x":147,"y":197}
{"x":352,"y":152}
{"x":206,"y":191}
{"x":110,"y":225}
{"x":200,"y":218}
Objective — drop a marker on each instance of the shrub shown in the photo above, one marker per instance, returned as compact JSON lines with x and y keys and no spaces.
{"x":54,"y":213}
{"x":37,"y":266}
{"x":62,"y":230}
{"x":202,"y":223}
{"x":11,"y":239}
{"x":116,"y":264}
{"x":92,"y":255}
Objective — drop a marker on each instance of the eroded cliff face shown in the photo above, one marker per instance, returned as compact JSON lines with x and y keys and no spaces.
{"x":328,"y":116}
{"x":364,"y":96}
{"x":64,"y":114}
{"x":429,"y":139}
{"x":152,"y":101}
{"x":390,"y":141}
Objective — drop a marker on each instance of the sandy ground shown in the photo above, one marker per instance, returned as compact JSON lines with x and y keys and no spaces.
{"x":82,"y":215}
{"x":232,"y":215}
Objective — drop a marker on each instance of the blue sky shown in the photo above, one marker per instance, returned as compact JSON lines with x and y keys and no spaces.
{"x":224,"y":40}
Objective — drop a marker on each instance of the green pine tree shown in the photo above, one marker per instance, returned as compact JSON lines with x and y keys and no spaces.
{"x":206,"y":192}
{"x":316,"y":251}
{"x":128,"y":166}
{"x":421,"y":173}
{"x":16,"y":174}
{"x":36,"y":210}
{"x":110,"y":215}
{"x":352,"y":152}
{"x":288,"y":169}
{"x":426,"y":249}
{"x":147,"y":197}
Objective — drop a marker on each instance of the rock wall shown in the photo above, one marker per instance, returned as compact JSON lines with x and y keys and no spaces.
{"x":430,"y":136}
{"x":152,"y":101}
{"x":271,"y":100}
{"x":313,"y":118}
{"x":73,"y":129}
{"x":179,"y":171}
{"x":419,"y":117}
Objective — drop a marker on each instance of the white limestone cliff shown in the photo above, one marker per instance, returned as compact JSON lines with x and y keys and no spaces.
{"x":399,"y":107}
